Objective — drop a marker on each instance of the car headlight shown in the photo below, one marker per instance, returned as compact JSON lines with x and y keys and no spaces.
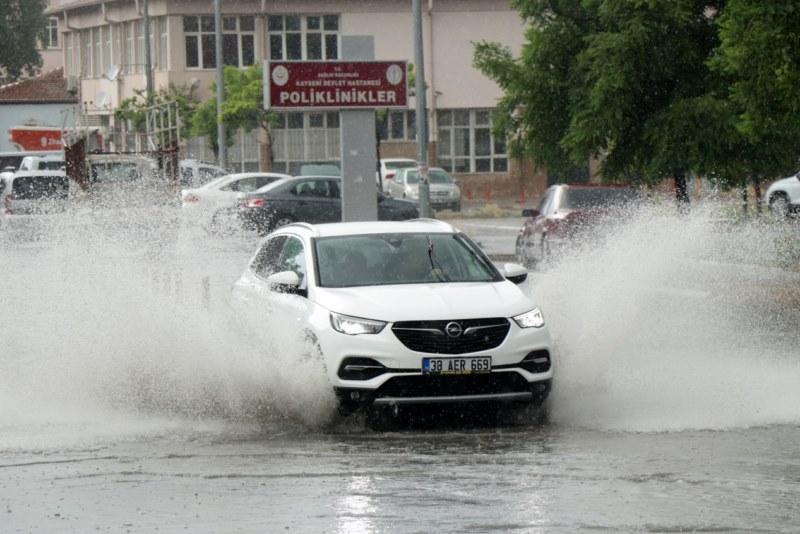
{"x":531,"y":319}
{"x":353,"y":326}
{"x":412,"y":192}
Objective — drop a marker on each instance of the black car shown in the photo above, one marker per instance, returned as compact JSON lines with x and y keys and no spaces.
{"x":311,"y":199}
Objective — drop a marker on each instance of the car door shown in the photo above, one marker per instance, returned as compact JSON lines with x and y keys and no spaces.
{"x":285,"y":309}
{"x":317,"y":200}
{"x":395,"y":185}
{"x":535,"y":227}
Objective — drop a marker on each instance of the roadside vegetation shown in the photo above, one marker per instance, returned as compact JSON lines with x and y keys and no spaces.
{"x":653,"y":90}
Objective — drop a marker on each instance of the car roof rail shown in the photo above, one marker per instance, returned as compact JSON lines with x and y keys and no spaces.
{"x":438,"y":222}
{"x":307,"y":226}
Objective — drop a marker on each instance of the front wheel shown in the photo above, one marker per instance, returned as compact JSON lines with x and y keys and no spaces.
{"x":521,"y":254}
{"x":779,"y":204}
{"x":282,"y":220}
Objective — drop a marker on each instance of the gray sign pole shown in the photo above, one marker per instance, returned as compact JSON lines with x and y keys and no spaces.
{"x":421,"y":116}
{"x":357,"y":131}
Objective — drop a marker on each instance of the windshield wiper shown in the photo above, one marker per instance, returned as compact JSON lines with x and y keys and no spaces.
{"x":435,"y":267}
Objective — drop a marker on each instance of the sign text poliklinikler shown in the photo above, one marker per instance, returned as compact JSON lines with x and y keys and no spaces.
{"x":335,"y":84}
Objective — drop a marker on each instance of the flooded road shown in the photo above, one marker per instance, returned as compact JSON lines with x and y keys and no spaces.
{"x":132,"y":399}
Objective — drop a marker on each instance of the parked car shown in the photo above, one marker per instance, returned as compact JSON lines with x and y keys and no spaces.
{"x":388,"y":168}
{"x":444,"y":191}
{"x":211,"y":205}
{"x":195,"y":173}
{"x":783,"y":196}
{"x":565,"y":214}
{"x":403,"y":313}
{"x":30,"y":201}
{"x":312,"y":199}
{"x":34,"y":192}
{"x":50,"y":162}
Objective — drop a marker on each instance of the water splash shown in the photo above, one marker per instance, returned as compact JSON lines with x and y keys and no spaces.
{"x":118,"y":325}
{"x":675,"y":322}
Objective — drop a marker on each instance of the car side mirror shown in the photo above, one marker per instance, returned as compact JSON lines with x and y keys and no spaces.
{"x":284,"y":282}
{"x":530,"y":213}
{"x":515,"y":272}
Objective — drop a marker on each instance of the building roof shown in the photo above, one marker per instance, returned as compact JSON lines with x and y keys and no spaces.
{"x":48,"y":88}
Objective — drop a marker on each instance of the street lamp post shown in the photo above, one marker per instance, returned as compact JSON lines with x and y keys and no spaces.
{"x":223,"y":150}
{"x":422,"y":127}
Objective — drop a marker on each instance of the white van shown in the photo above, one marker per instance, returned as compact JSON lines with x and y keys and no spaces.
{"x":50,"y":162}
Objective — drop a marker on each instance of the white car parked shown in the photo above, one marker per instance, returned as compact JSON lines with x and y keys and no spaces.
{"x":402,"y":313}
{"x":194,"y":173}
{"x":443,"y":191}
{"x":389,"y":166}
{"x":783,"y":196}
{"x":212,"y":203}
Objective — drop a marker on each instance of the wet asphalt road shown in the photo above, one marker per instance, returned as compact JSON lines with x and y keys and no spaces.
{"x":131,"y":401}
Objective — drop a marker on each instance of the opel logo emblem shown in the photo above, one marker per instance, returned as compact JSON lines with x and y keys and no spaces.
{"x":453,"y":329}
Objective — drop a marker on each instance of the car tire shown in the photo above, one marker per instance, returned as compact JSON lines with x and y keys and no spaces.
{"x":521,"y":255}
{"x":457,"y":206}
{"x":544,"y":258}
{"x":383,"y":419}
{"x":779,"y":204}
{"x":281,"y":220}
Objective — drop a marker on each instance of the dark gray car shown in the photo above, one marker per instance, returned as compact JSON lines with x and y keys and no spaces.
{"x":311,"y":199}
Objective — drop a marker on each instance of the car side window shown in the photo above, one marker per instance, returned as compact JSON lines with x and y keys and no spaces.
{"x":268,"y":257}
{"x":293,"y":258}
{"x":545,"y":202}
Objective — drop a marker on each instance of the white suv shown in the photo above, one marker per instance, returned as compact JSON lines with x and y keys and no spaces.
{"x":408,"y":312}
{"x":783,"y":196}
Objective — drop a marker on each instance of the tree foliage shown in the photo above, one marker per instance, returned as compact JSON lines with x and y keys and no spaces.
{"x":22,"y":27}
{"x":653,"y":89}
{"x":134,"y":109}
{"x":243,"y":106}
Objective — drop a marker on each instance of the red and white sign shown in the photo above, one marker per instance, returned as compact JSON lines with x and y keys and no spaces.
{"x":335,"y":84}
{"x":35,"y":138}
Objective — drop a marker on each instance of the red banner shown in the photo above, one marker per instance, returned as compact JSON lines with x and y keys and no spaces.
{"x":335,"y":84}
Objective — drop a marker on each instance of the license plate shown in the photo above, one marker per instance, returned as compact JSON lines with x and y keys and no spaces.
{"x":457,"y":366}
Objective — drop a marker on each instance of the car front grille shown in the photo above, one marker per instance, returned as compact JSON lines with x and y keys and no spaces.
{"x":453,"y":385}
{"x":438,"y":337}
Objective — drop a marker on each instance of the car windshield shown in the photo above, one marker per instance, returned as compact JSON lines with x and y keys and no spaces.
{"x":37,"y":187}
{"x":115,"y":172}
{"x":597,"y":197}
{"x":407,"y":258}
{"x":434,"y":177}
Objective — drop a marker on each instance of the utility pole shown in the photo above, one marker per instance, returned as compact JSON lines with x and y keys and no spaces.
{"x":421,"y":115}
{"x":148,"y":62}
{"x":223,"y":150}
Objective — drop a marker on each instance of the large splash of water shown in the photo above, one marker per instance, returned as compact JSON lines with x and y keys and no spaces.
{"x":677,"y":322}
{"x":120,"y":324}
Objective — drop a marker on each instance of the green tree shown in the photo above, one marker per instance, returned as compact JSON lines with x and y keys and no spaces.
{"x":620,"y":80}
{"x":243,"y":108}
{"x":133,"y":109}
{"x":22,"y":26}
{"x":760,"y":55}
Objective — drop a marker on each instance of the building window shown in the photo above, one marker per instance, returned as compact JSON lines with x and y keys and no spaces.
{"x":466,"y":143}
{"x":69,"y":55}
{"x":400,"y":125}
{"x":52,"y":33}
{"x":299,"y":138}
{"x":139,"y":47}
{"x":163,"y":59}
{"x":303,"y":37}
{"x":238,"y":41}
{"x":86,"y":53}
{"x":130,"y":51}
{"x":98,"y":51}
{"x":108,"y":48}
